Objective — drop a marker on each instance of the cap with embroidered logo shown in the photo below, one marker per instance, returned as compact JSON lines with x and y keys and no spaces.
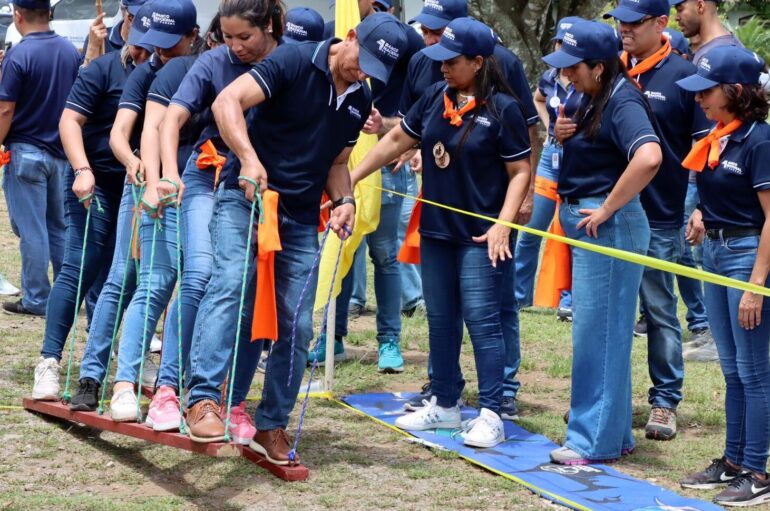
{"x":133,"y":6}
{"x":140,"y":26}
{"x":463,"y":36}
{"x":32,"y":4}
{"x":564,"y":25}
{"x":436,"y":14}
{"x":724,"y":64}
{"x":382,"y":42}
{"x":303,"y":24}
{"x":584,"y":40}
{"x":169,"y":21}
{"x":631,"y":11}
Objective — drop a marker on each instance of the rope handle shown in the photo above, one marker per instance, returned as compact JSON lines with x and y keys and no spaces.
{"x":95,"y":198}
{"x":167,"y":200}
{"x":257,"y":196}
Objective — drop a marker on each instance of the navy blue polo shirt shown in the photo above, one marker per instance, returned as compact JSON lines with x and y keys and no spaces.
{"x":475,"y":179}
{"x":114,"y":41}
{"x":37,"y":75}
{"x":728,"y":194}
{"x":423,"y":72}
{"x":213,"y":71}
{"x":302,"y":125}
{"x":96,"y":94}
{"x":161,"y":91}
{"x":591,"y":167}
{"x":556,"y":94}
{"x":679,"y":121}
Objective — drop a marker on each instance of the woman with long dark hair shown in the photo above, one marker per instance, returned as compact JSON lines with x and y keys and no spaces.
{"x":733,"y":179}
{"x":475,"y":157}
{"x":611,"y":152}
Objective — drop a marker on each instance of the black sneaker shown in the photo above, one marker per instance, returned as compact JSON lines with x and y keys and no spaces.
{"x":355,"y":310}
{"x":508,"y":410}
{"x":640,"y":330}
{"x":86,"y":398}
{"x":17,"y":308}
{"x":717,"y":474}
{"x":415,"y":403}
{"x":564,"y":314}
{"x":744,"y":491}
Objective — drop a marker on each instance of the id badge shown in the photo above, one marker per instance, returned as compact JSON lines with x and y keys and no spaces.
{"x":555,"y":160}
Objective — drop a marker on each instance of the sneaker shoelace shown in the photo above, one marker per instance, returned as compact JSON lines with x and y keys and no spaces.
{"x":163,"y":399}
{"x":390,"y":349}
{"x":661,"y":415}
{"x":238,"y":415}
{"x":740,"y":481}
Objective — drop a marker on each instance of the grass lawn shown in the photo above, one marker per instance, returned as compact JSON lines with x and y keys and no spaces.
{"x":354,"y":463}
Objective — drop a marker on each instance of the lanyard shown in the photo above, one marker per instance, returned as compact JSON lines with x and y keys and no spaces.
{"x":570,"y":92}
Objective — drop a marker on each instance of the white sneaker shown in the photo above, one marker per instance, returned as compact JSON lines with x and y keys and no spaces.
{"x":123,"y":406}
{"x":6,"y":288}
{"x":430,"y":416}
{"x":155,"y":344}
{"x":46,"y":387}
{"x":484,"y":431}
{"x":150,"y":374}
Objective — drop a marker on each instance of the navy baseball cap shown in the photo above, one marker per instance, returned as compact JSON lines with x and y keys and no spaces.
{"x":678,"y":41}
{"x":564,"y":25}
{"x":169,"y":21}
{"x":631,"y":11}
{"x":674,"y":3}
{"x":133,"y":6}
{"x":436,"y":14}
{"x":140,"y":26}
{"x":303,"y":24}
{"x":724,"y":64}
{"x":382,"y":5}
{"x":463,"y":36}
{"x":584,"y":40}
{"x":32,"y":4}
{"x":382,"y":42}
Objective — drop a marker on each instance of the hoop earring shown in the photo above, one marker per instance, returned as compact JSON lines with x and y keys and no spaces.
{"x":598,"y":78}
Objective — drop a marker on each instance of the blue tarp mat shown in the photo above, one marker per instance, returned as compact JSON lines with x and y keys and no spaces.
{"x":523,"y":458}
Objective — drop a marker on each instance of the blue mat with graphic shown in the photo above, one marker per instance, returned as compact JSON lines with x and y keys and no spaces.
{"x":523,"y":458}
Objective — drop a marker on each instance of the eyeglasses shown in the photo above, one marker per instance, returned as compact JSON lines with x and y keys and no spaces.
{"x":636,"y":24}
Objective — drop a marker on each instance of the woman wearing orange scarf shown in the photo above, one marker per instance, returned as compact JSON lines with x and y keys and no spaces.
{"x":734,"y":184}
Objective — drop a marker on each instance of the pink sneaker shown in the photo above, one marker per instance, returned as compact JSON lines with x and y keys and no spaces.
{"x":242,"y":428}
{"x":164,"y":410}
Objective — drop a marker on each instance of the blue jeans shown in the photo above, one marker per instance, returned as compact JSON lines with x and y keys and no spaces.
{"x":33,"y":191}
{"x":692,"y":289}
{"x":383,"y":249}
{"x":664,"y":335}
{"x":411,"y":282}
{"x":157,"y":278}
{"x":528,"y":247}
{"x":213,"y":342}
{"x":358,"y":272}
{"x":460,"y":284}
{"x":605,"y":292}
{"x":106,"y":313}
{"x":99,"y":250}
{"x":743,"y":354}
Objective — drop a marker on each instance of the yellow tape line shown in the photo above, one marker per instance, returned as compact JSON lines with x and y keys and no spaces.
{"x":623,"y":255}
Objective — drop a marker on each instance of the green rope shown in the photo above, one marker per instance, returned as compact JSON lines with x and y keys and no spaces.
{"x":118,"y":317}
{"x":257,"y":195}
{"x":66,"y":397}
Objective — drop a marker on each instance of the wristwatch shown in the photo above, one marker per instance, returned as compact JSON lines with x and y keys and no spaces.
{"x":347,"y":199}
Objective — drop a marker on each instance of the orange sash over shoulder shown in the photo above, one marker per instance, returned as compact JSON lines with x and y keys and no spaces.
{"x":210,"y":157}
{"x":556,"y":268}
{"x":410,"y":249}
{"x":706,"y":150}
{"x":265,"y":322}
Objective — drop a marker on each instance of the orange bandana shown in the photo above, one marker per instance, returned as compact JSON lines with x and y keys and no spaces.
{"x":650,"y":62}
{"x":707,"y":149}
{"x":210,"y":157}
{"x":410,"y":249}
{"x":265,"y":322}
{"x":456,"y":116}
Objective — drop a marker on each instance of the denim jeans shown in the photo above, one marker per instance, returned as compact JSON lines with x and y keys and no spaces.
{"x":157,"y":278}
{"x":411,"y":281}
{"x":213,"y":342}
{"x":98,"y":254}
{"x":106,"y":313}
{"x":383,"y":250}
{"x":33,"y":184}
{"x":461,"y":285}
{"x":528,"y":247}
{"x":358,"y":272}
{"x":664,"y":334}
{"x":743,"y":354}
{"x":605,"y":292}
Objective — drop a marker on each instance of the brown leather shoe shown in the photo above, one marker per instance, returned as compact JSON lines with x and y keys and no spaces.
{"x":204,"y":423}
{"x":275,"y":446}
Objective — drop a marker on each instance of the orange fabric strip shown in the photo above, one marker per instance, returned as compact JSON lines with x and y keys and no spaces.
{"x":546,"y":188}
{"x":265,"y":322}
{"x":323,"y":218}
{"x":137,"y":221}
{"x":456,"y":116}
{"x":410,"y":249}
{"x":706,"y":150}
{"x":650,"y":62}
{"x":210,"y":157}
{"x":556,"y":268}
{"x":5,"y":158}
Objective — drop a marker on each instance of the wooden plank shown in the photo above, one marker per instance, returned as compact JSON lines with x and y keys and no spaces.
{"x":171,"y":439}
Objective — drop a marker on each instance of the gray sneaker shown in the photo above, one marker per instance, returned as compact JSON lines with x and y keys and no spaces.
{"x":705,"y":353}
{"x":662,"y":424}
{"x":700,"y":337}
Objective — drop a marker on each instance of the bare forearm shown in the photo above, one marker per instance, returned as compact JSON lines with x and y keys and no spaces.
{"x":388,"y":123}
{"x":338,"y":184}
{"x":150,"y":150}
{"x":6,"y":117}
{"x":392,"y":145}
{"x":121,"y":134}
{"x":232,"y":128}
{"x":762,"y":262}
{"x":71,"y":134}
{"x":534,"y":142}
{"x":173,"y":121}
{"x":518,"y":186}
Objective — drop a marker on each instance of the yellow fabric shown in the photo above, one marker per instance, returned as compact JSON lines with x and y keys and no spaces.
{"x":368,"y":198}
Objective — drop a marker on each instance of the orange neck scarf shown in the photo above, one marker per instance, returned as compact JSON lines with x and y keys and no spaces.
{"x":210,"y":157}
{"x":706,"y":150}
{"x":650,"y":62}
{"x":265,"y":322}
{"x":456,"y":116}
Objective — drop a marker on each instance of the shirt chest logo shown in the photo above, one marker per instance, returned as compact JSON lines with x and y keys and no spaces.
{"x":354,"y":112}
{"x":732,"y":167}
{"x":484,"y":121}
{"x":655,"y":95}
